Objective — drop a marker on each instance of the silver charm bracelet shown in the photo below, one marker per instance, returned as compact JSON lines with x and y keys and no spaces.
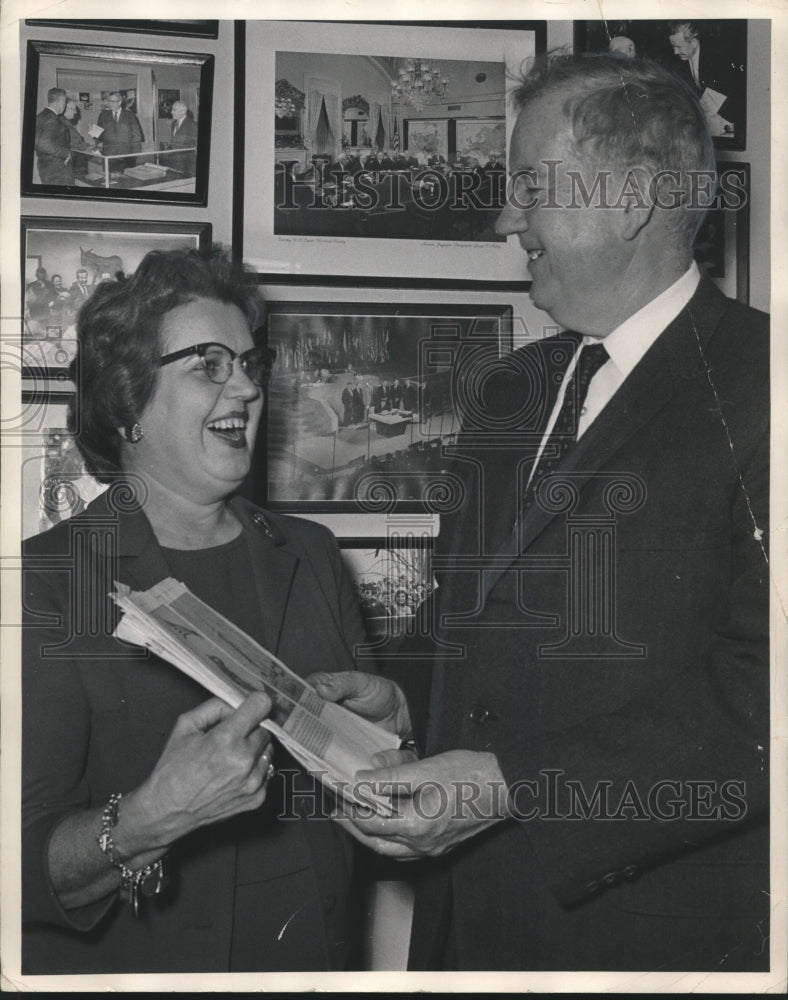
{"x":150,"y":880}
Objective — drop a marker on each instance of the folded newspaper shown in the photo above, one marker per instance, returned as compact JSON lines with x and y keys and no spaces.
{"x":328,"y":740}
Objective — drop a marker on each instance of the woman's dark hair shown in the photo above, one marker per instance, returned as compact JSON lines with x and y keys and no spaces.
{"x":116,"y":368}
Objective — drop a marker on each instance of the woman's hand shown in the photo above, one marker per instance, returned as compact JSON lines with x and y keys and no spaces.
{"x":215,"y":764}
{"x":375,"y":698}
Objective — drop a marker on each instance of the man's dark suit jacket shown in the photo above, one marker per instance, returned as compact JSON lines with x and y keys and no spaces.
{"x":670,"y":691}
{"x":184,"y":138}
{"x":122,"y":136}
{"x":53,"y":146}
{"x":717,"y":71}
{"x":96,"y":718}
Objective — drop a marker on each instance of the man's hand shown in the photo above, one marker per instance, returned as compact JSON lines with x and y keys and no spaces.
{"x":375,"y":698}
{"x":439,"y":802}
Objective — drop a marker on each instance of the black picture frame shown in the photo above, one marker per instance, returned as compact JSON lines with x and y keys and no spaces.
{"x":300,"y":253}
{"x":54,"y":482}
{"x":726,"y":67}
{"x":155,"y":169}
{"x":722,"y":244}
{"x":383,"y":448}
{"x":64,"y":246}
{"x":192,"y":29}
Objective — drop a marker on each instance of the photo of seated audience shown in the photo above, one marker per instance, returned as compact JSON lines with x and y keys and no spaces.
{"x":391,"y":584}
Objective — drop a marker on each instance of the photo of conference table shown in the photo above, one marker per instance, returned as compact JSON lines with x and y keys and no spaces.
{"x":391,"y":424}
{"x":415,"y":204}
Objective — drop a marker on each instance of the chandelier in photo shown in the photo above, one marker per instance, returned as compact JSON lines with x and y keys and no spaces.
{"x":419,"y":82}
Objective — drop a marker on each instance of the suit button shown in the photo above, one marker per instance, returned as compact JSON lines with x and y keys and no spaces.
{"x":329,"y":902}
{"x":611,"y":878}
{"x":479,"y":715}
{"x":593,"y":886}
{"x":630,"y":872}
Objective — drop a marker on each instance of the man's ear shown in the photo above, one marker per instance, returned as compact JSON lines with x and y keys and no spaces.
{"x":635,"y":203}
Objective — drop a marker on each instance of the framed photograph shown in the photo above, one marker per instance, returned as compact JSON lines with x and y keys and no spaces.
{"x":64,"y":260}
{"x":392,"y":579}
{"x":722,"y":245}
{"x":361,"y":403}
{"x":709,"y":54}
{"x":55,"y":485}
{"x":194,"y":29}
{"x":115,"y":145}
{"x":376,"y":165}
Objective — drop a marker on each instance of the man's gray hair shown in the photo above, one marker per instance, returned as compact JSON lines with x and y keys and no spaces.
{"x":626,"y":113}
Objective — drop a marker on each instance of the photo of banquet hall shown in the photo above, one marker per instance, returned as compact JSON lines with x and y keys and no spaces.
{"x":388,"y":147}
{"x":356,"y":397}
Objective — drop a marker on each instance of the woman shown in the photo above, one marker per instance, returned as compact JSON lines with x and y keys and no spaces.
{"x":136,"y":786}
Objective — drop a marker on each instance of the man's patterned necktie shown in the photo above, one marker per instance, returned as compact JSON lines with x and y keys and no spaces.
{"x":564,"y":432}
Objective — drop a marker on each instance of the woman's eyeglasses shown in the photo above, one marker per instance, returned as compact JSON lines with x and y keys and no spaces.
{"x":217,"y":360}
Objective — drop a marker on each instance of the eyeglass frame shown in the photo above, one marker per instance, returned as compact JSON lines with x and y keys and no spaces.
{"x":200,"y":349}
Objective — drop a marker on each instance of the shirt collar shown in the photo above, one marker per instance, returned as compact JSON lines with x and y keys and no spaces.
{"x":627,"y":344}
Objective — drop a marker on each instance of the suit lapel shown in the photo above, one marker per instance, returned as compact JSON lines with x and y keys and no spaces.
{"x":676,"y":356}
{"x":274,"y":567}
{"x":140,"y":561}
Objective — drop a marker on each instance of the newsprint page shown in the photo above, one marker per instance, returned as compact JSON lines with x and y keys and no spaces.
{"x":394,"y":499}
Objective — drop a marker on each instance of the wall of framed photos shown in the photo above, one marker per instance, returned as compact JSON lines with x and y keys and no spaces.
{"x":346,"y":273}
{"x":358,"y":317}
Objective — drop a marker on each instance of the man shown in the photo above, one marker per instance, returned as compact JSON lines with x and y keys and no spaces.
{"x":122,"y":131}
{"x":78,"y":293}
{"x":76,"y":140}
{"x":708,"y":70}
{"x":359,"y":405}
{"x":593,"y":793}
{"x":39,"y":296}
{"x":395,"y":396}
{"x":347,"y":405}
{"x":381,"y":397}
{"x":624,"y":45}
{"x":372,"y":162}
{"x":80,"y":290}
{"x":52,"y":141}
{"x":387,"y":161}
{"x":183,"y":135}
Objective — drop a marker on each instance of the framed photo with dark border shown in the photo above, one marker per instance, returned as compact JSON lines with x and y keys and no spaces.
{"x":362,"y":403}
{"x":722,"y":245}
{"x":62,"y":262}
{"x":116,"y":145}
{"x":368,"y":151}
{"x":194,"y":29}
{"x":709,"y":54}
{"x":55,"y":484}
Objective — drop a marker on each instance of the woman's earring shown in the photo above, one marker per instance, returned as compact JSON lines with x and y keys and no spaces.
{"x":135,"y":433}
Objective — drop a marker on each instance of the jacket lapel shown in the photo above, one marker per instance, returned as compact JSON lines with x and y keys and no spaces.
{"x":676,"y":356}
{"x":274,"y":567}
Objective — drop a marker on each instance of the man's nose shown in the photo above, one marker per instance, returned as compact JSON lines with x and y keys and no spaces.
{"x":511,"y":220}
